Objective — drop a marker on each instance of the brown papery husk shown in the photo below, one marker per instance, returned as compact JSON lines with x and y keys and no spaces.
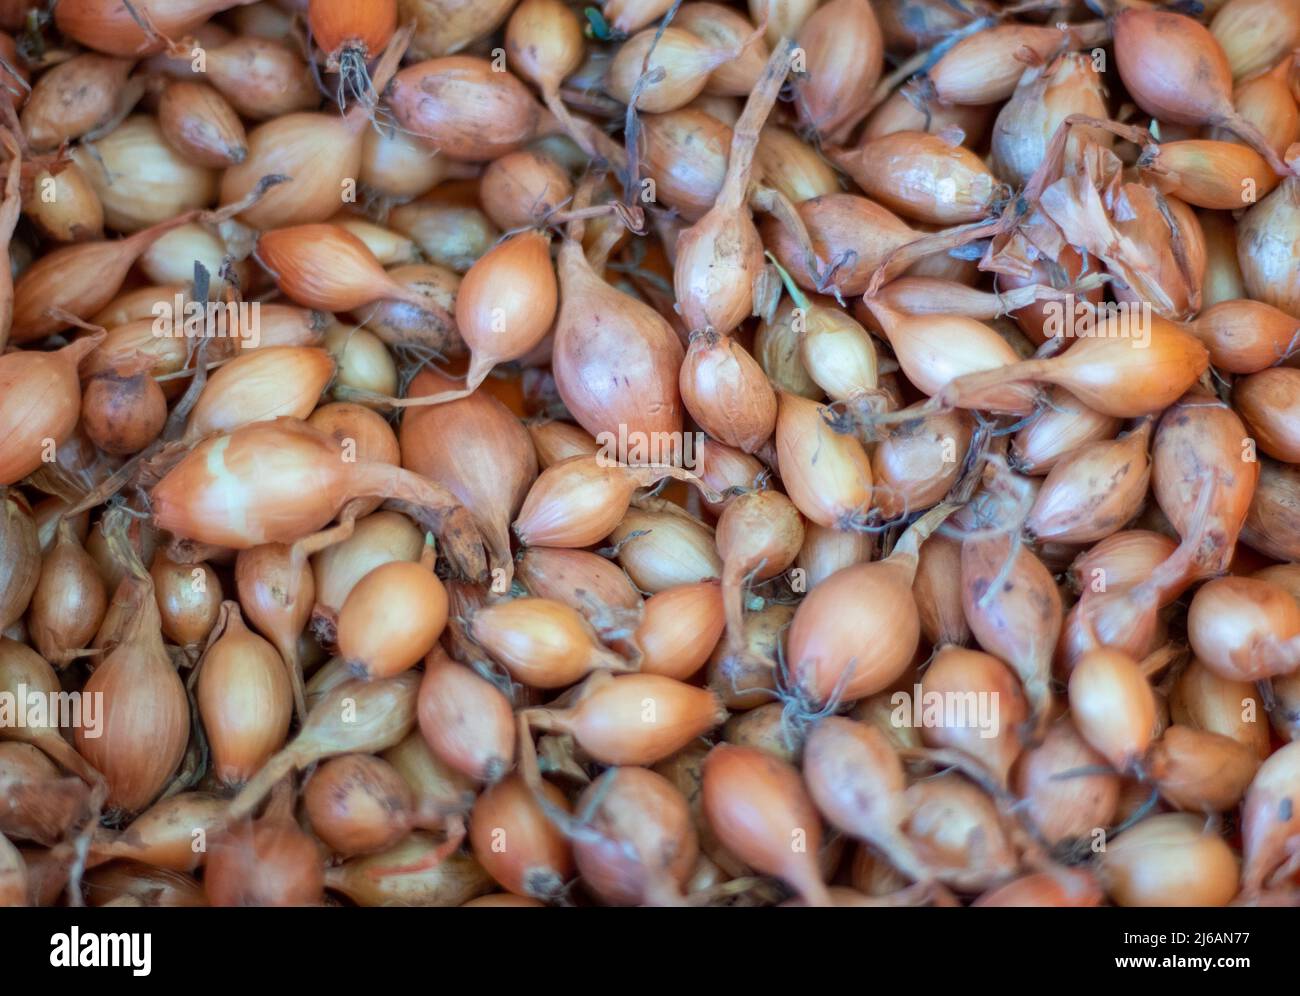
{"x":10,"y":209}
{"x":324,"y":266}
{"x":836,"y":652}
{"x":293,"y":482}
{"x":128,"y":883}
{"x":1198,"y":771}
{"x":1269,"y":819}
{"x":145,"y":712}
{"x":686,"y":151}
{"x":359,"y":432}
{"x":69,"y":601}
{"x":477,"y":449}
{"x":756,"y":805}
{"x":40,"y":804}
{"x":1094,"y":490}
{"x":1065,"y":425}
{"x":1245,"y":336}
{"x":720,"y":257}
{"x":1200,"y":439}
{"x":601,"y":720}
{"x":1269,"y":403}
{"x":748,"y":679}
{"x":1043,"y":99}
{"x":957,"y":830}
{"x":466,"y":721}
{"x":64,"y":206}
{"x":1066,"y":786}
{"x":353,"y":717}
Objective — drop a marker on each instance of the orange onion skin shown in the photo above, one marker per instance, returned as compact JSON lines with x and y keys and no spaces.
{"x":1236,"y":626}
{"x":363,"y":24}
{"x":268,"y":863}
{"x":357,"y":803}
{"x":245,"y":700}
{"x":606,"y":341}
{"x":467,"y":722}
{"x":463,"y":108}
{"x":391,"y":619}
{"x":760,"y":810}
{"x":515,"y":841}
{"x":834,"y":631}
{"x":642,"y":718}
{"x":478,"y":450}
{"x":1269,"y":402}
{"x":1066,"y":808}
{"x":845,"y":57}
{"x":1169,"y":860}
{"x":1269,"y":816}
{"x":111,"y":28}
{"x":680,"y":628}
{"x":40,"y":399}
{"x":645,"y":846}
{"x":726,"y":391}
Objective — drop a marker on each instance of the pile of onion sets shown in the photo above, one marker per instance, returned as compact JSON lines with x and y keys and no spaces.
{"x":633,"y":453}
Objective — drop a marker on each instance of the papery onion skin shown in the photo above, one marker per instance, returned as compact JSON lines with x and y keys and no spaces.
{"x":536,"y":859}
{"x":1169,"y":860}
{"x":467,"y":722}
